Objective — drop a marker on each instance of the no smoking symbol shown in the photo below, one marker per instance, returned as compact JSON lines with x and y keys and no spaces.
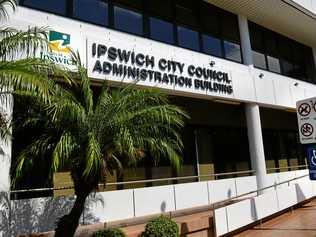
{"x":307,"y":129}
{"x":304,"y":109}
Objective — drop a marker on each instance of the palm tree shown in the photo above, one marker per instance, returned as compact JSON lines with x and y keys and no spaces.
{"x":92,"y":133}
{"x":19,"y":68}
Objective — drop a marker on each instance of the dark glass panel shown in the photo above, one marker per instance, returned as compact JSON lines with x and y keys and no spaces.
{"x":259,"y":60}
{"x":209,"y":18}
{"x":256,"y":37}
{"x":84,"y":8}
{"x":185,"y":13}
{"x":155,"y":8}
{"x":212,"y":45}
{"x":232,"y":51}
{"x":127,"y":20}
{"x":133,"y":4}
{"x":55,"y":6}
{"x":161,"y":30}
{"x":271,"y":43}
{"x":285,"y":46}
{"x":287,"y":68}
{"x":273,"y":64}
{"x":229,"y":26}
{"x":188,"y":38}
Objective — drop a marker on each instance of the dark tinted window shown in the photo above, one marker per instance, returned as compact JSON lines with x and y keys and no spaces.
{"x":209,"y":18}
{"x":132,"y":4}
{"x":212,"y":45}
{"x":229,"y":27}
{"x":280,"y":54}
{"x":83,"y":10}
{"x":128,"y":20}
{"x":259,"y":59}
{"x":232,"y":51}
{"x":161,"y":30}
{"x":188,"y":38}
{"x":273,"y":64}
{"x":55,"y":6}
{"x":155,"y":8}
{"x":186,"y":13}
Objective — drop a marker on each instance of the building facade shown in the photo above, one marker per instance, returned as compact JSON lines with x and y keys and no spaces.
{"x":237,"y":67}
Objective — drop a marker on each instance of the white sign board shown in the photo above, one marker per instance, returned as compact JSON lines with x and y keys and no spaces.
{"x":122,"y":60}
{"x":306,"y":115}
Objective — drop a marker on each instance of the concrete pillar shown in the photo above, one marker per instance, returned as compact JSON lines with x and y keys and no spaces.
{"x":245,"y":40}
{"x":255,"y":140}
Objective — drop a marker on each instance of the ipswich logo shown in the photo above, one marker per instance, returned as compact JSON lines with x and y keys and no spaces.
{"x":59,"y":42}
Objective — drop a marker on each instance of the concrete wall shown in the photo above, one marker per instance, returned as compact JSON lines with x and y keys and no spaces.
{"x":41,"y":214}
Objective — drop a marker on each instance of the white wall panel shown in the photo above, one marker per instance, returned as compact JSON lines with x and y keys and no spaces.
{"x":221,"y":189}
{"x":264,"y":88}
{"x":286,"y":197}
{"x":266,"y":204}
{"x":221,"y":221}
{"x":246,"y":185}
{"x":154,"y":200}
{"x":114,"y":205}
{"x":191,"y":195}
{"x":243,"y":86}
{"x":240,"y":214}
{"x":285,"y":176}
{"x":282,"y":92}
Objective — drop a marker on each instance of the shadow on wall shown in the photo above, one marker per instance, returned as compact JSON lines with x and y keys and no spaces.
{"x":39,"y":214}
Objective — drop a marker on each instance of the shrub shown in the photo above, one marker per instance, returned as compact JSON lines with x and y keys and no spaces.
{"x":111,"y":232}
{"x":161,"y":227}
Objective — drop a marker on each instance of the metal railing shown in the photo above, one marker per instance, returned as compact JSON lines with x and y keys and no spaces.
{"x":145,"y":181}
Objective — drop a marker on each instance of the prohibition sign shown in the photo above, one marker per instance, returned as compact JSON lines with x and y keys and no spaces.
{"x":304,"y":109}
{"x":307,"y":129}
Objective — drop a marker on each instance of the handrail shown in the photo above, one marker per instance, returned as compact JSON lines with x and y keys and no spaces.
{"x":256,"y":191}
{"x":138,"y":181}
{"x":287,"y":167}
{"x":154,"y":180}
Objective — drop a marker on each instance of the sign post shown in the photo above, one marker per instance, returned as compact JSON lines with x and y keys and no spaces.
{"x":306,"y":116}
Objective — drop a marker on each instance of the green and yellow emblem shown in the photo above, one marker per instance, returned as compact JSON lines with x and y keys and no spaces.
{"x":59,"y":42}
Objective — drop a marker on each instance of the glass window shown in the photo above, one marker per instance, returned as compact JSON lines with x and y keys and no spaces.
{"x":229,"y":26}
{"x":84,"y":8}
{"x":161,"y":30}
{"x":127,"y":20}
{"x":133,"y":4}
{"x":270,"y":40}
{"x":185,"y":13}
{"x":188,"y":38}
{"x":212,"y":45}
{"x":287,"y":68}
{"x":273,"y":64}
{"x":232,"y":51}
{"x":256,"y":37}
{"x":209,"y":18}
{"x":155,"y":8}
{"x":259,"y":60}
{"x":55,"y":6}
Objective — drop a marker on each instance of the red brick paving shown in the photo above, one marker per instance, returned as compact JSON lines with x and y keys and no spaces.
{"x":298,"y":223}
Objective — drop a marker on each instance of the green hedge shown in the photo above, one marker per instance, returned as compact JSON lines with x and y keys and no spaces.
{"x":161,"y":227}
{"x":111,"y":232}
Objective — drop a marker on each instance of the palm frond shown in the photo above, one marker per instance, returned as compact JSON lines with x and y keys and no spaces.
{"x":23,"y":44}
{"x":4,"y":4}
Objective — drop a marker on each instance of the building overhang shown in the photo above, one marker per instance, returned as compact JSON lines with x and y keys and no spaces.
{"x":283,"y":16}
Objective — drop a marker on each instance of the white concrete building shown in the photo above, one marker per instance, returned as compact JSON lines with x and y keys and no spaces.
{"x":237,"y":67}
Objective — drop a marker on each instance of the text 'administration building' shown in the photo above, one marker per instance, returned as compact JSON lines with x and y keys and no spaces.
{"x":237,"y":67}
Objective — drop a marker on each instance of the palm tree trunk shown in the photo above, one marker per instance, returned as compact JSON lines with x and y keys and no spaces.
{"x":67,"y":225}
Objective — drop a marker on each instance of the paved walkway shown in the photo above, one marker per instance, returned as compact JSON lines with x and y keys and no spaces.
{"x":299,"y":223}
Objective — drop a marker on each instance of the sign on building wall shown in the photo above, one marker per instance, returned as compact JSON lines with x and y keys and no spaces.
{"x":121,"y":60}
{"x":306,"y":115}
